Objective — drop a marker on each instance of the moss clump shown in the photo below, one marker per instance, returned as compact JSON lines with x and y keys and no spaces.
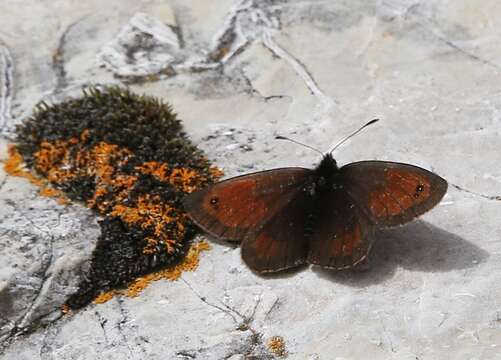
{"x":189,"y":263}
{"x":126,"y":157}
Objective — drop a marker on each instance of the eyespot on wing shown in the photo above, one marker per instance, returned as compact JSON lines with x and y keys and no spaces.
{"x":232,"y":208}
{"x":393,"y":193}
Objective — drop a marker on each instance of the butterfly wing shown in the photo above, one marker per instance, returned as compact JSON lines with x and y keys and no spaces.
{"x":232,"y":208}
{"x":280,"y":243}
{"x":343,"y":233}
{"x":392,"y":193}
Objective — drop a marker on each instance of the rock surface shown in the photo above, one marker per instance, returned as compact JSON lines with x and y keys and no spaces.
{"x":239,"y":73}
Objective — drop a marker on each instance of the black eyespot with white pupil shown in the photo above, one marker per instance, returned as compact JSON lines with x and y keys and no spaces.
{"x":419,"y":190}
{"x":214,"y":201}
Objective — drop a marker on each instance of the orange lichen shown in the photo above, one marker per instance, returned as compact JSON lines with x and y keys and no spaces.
{"x":102,"y":162}
{"x":60,"y":165}
{"x":276,"y":345}
{"x":189,"y":263}
{"x":126,"y":157}
{"x":151,"y":213}
{"x":14,"y":165}
{"x":65,"y":309}
{"x":158,"y":170}
{"x":105,"y":297}
{"x":50,"y":192}
{"x":185,"y":180}
{"x":216,"y":173}
{"x":49,"y":155}
{"x":166,"y":224}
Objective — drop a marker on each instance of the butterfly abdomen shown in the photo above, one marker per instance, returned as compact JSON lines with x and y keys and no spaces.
{"x":309,"y":225}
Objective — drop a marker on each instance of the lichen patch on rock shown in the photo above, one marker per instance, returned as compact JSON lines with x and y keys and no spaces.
{"x":126,"y":157}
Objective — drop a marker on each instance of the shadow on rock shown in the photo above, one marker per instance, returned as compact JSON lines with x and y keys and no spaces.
{"x":417,"y":246}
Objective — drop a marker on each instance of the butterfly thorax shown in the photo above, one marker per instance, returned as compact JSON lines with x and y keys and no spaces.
{"x":325,"y":176}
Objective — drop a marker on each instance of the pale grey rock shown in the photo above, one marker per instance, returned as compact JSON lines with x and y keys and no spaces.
{"x":145,"y":46}
{"x":45,"y":250}
{"x":313,"y":71}
{"x":6,"y":86}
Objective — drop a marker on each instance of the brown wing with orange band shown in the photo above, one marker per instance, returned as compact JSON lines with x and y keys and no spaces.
{"x":343,"y":234}
{"x":392,"y":193}
{"x":232,"y":208}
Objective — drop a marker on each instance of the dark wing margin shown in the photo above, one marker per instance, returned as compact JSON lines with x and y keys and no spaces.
{"x":232,"y":208}
{"x":392,"y":193}
{"x":281,"y":242}
{"x":343,"y":234}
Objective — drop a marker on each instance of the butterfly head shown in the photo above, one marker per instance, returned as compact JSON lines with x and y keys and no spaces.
{"x":328,"y":163}
{"x":326,"y":173}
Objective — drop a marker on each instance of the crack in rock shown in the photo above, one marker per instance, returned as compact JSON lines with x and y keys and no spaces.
{"x":250,"y":346}
{"x":48,"y":251}
{"x":102,"y":322}
{"x":257,"y":21}
{"x":46,"y":279}
{"x":457,"y":48}
{"x":58,"y":63}
{"x":412,"y":11}
{"x":488,"y":197}
{"x":44,"y":274}
{"x":300,"y":69}
{"x":244,"y":23}
{"x":6,"y":88}
{"x":48,"y":340}
{"x":120,"y":325}
{"x":126,"y":323}
{"x":253,"y":91}
{"x":141,"y":51}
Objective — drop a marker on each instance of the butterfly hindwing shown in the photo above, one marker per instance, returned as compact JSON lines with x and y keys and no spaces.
{"x":392,"y":193}
{"x":280,"y":243}
{"x":343,"y":233}
{"x":232,"y":208}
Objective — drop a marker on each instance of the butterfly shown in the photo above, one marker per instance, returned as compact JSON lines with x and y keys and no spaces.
{"x":326,"y":216}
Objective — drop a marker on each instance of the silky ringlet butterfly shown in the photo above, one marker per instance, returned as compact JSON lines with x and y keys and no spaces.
{"x":324,"y":216}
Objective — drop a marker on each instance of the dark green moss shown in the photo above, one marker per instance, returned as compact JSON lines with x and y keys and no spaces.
{"x":114,"y":115}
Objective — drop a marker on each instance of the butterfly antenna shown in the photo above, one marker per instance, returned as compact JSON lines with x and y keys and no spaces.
{"x":297,"y":142}
{"x":353,"y":134}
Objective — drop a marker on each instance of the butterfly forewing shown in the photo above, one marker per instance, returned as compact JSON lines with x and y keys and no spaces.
{"x":280,"y":243}
{"x":343,"y":233}
{"x":392,"y":193}
{"x":232,"y":208}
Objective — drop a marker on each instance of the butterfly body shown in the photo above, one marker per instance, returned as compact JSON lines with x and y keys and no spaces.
{"x":324,"y":216}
